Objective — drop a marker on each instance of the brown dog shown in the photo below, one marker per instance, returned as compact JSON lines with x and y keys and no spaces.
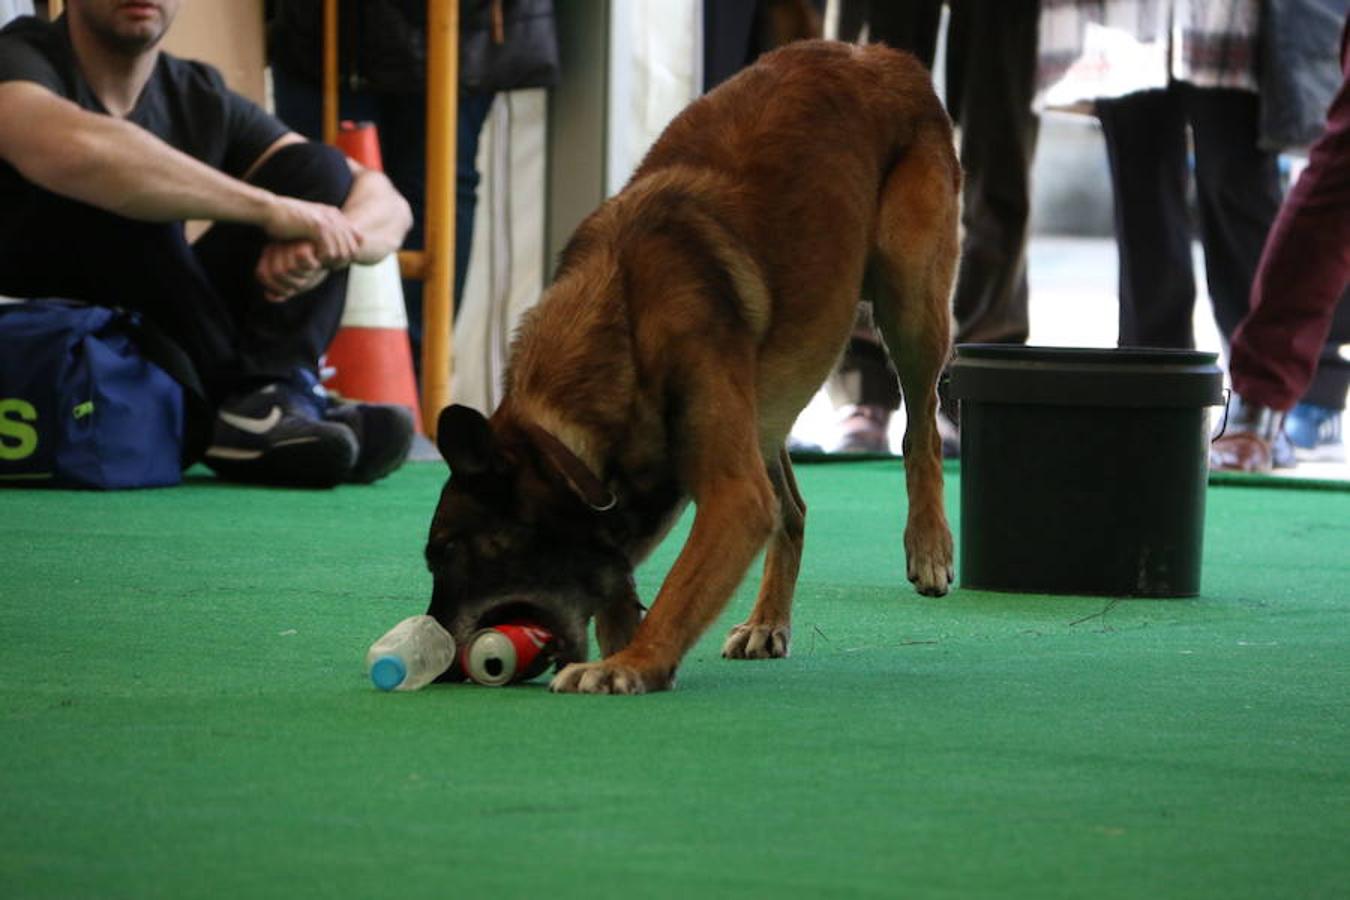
{"x":692,"y":318}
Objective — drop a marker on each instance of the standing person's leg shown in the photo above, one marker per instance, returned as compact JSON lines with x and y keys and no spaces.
{"x":1331,"y":379}
{"x":852,"y":19}
{"x":865,"y":389}
{"x":728,"y":39}
{"x":402,"y":123}
{"x":1297,"y":296}
{"x":1302,"y":274}
{"x":1238,"y":189}
{"x":403,"y":141}
{"x":300,"y":104}
{"x":1314,"y":424}
{"x":911,"y":26}
{"x":1146,"y":147}
{"x":991,"y":67}
{"x":473,"y":112}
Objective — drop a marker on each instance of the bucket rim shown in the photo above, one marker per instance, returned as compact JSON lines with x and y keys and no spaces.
{"x":1079,"y":376}
{"x":1087,"y":355}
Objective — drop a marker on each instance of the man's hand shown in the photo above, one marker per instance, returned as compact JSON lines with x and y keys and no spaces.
{"x":334,"y":237}
{"x":287,"y":268}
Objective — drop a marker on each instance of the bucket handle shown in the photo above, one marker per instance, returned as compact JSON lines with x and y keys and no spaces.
{"x":1223,"y":424}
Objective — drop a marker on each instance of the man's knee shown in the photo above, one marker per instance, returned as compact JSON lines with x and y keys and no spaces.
{"x":309,"y":171}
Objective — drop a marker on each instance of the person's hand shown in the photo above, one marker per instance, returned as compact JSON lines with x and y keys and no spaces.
{"x":287,"y":268}
{"x":336,"y":240}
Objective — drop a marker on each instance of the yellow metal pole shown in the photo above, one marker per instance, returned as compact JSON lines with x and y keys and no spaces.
{"x":412,"y":264}
{"x":439,"y":255}
{"x":330,"y":71}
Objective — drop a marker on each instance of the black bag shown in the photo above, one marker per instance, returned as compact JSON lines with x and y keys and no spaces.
{"x":507,"y":45}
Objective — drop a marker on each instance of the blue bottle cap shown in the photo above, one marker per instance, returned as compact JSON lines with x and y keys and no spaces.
{"x":388,"y":672}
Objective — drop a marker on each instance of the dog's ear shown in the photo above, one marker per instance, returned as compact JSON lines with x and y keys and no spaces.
{"x":465,"y":441}
{"x":571,"y":470}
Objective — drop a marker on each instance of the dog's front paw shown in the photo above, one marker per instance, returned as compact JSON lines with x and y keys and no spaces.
{"x":747,"y":641}
{"x":609,"y":676}
{"x":929,"y":560}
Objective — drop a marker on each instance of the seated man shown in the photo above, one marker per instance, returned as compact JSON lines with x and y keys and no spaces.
{"x":108,"y":146}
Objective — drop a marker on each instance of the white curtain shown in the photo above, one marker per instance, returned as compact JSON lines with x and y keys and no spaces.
{"x":12,"y":9}
{"x":653,"y":72}
{"x":506,"y":269}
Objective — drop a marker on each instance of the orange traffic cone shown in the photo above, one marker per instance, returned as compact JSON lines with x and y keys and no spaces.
{"x":371,"y":353}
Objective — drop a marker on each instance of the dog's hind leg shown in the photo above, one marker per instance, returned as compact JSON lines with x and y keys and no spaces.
{"x":913,"y":266}
{"x":768,"y":631}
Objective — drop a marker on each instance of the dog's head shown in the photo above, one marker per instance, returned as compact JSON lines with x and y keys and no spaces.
{"x":519,"y":534}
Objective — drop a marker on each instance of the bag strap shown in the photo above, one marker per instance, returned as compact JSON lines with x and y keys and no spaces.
{"x":164,"y":352}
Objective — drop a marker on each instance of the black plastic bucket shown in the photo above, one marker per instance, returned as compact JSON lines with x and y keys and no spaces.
{"x":1084,"y":471}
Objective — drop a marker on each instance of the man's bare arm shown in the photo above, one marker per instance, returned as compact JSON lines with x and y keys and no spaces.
{"x":379,"y":211}
{"x":287,"y":268}
{"x":119,"y":167}
{"x":373,"y":205}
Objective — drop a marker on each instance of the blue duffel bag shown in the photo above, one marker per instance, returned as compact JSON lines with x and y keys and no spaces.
{"x":81,"y":402}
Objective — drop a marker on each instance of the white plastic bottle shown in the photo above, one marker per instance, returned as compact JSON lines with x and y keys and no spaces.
{"x":411,"y":655}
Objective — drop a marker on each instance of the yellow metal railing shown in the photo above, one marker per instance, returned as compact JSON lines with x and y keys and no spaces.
{"x":437,"y":266}
{"x":434,"y":265}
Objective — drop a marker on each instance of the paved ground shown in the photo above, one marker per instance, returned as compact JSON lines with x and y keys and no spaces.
{"x":1073,"y":304}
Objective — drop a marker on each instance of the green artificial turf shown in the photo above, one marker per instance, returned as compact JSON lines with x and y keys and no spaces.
{"x":183,"y":713}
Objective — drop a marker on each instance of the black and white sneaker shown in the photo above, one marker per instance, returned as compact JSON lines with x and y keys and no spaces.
{"x":384,"y":434}
{"x":276,"y":436}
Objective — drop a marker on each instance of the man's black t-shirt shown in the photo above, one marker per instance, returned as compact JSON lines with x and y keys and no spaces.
{"x":185,"y":103}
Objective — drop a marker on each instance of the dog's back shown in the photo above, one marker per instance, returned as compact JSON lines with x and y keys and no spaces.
{"x":805,"y":102}
{"x":809,"y":132}
{"x":771,"y":181}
